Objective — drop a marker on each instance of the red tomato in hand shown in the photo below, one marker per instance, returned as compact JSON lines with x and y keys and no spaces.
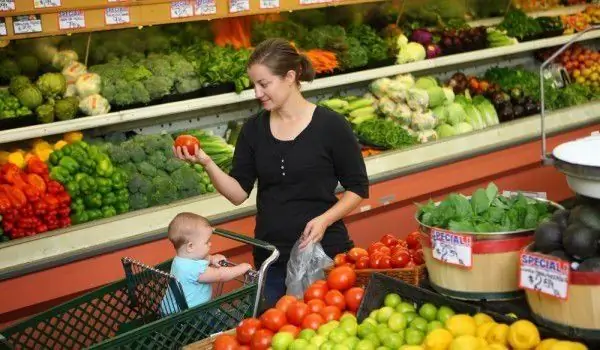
{"x":341,"y":278}
{"x":335,"y":298}
{"x":400,"y":259}
{"x":316,"y":292}
{"x":362,"y":263}
{"x":340,"y":259}
{"x":290,"y":329}
{"x":386,"y":262}
{"x":285,"y":302}
{"x":246,"y":329}
{"x":261,"y":339}
{"x":331,"y":313}
{"x":375,"y":247}
{"x":316,"y":305}
{"x":297,"y":312}
{"x":389,"y":240}
{"x":313,"y":321}
{"x":273,"y":319}
{"x":353,"y":297}
{"x":413,"y":241}
{"x":418,"y":258}
{"x":187,"y":141}
{"x":225,"y":342}
{"x":355,"y":253}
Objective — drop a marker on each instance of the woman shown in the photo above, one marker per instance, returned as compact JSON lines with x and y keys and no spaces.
{"x":298,"y":152}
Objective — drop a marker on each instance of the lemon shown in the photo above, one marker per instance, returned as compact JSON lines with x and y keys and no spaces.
{"x":411,"y":347}
{"x":484,"y":329}
{"x":438,"y":339}
{"x":562,"y":345}
{"x":461,"y":325}
{"x":546,"y":344}
{"x":523,"y":334}
{"x":465,"y":342}
{"x":495,"y":347}
{"x":482,"y":318}
{"x":498,"y":334}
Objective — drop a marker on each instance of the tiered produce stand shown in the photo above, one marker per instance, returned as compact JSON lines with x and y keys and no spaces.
{"x":456,"y":115}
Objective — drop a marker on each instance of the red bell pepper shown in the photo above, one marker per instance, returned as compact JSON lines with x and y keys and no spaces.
{"x":37,"y":182}
{"x":36,"y":166}
{"x":13,"y":175}
{"x":5,"y":204}
{"x":16,"y":196}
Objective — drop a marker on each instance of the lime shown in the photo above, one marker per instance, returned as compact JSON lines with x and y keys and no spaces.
{"x":428,"y":311}
{"x":392,"y":300}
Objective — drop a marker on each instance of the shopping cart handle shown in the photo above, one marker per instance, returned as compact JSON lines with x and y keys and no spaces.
{"x":244,"y":239}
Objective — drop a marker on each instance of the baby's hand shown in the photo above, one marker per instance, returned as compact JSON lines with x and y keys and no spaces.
{"x":247,"y":267}
{"x":216,"y":259}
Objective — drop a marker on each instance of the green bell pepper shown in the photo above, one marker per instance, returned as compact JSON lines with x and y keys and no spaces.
{"x":55,"y":157}
{"x":121,"y":207}
{"x":80,"y":176}
{"x":79,"y":154}
{"x":60,"y":174}
{"x":87,"y":184}
{"x":122,"y":195}
{"x":88,"y":166}
{"x":69,"y":164}
{"x":109,"y":199}
{"x":108,"y":211}
{"x":94,"y":152}
{"x":104,"y":166}
{"x":67,"y":150}
{"x":72,"y":188}
{"x":94,"y":214}
{"x":81,"y":145}
{"x":77,"y":205}
{"x":119,"y":179}
{"x":79,"y":217}
{"x":103,"y":185}
{"x":93,"y":201}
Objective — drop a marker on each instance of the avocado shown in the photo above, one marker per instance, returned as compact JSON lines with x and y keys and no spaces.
{"x":584,"y":200}
{"x":574,"y":215}
{"x":590,"y":265}
{"x":561,"y":255}
{"x":580,"y":241}
{"x":561,"y":217}
{"x":548,"y":237}
{"x":590,"y":216}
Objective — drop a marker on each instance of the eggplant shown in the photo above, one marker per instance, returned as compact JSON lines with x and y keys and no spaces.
{"x":518,"y":111}
{"x":499,"y":98}
{"x":506,"y":113}
{"x":530,"y":107}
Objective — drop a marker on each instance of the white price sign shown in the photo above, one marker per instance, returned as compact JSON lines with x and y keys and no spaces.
{"x":543,"y":274}
{"x":3,"y":31}
{"x":27,"y":24}
{"x":182,"y":9}
{"x":239,"y":5}
{"x":205,"y":7}
{"x":116,"y":15}
{"x":312,"y":2}
{"x":7,"y":5}
{"x":40,"y":4}
{"x":451,"y":248}
{"x":71,"y":19}
{"x":542,"y":195}
{"x":117,"y":0}
{"x":269,"y":4}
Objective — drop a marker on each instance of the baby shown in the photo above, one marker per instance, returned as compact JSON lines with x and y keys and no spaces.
{"x":193,"y":266}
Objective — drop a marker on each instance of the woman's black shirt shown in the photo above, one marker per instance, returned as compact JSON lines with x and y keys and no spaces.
{"x":297,"y":179}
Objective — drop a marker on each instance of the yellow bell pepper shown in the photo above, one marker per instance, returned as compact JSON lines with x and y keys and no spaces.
{"x":44,"y":154}
{"x":17,"y":159}
{"x":60,"y":144}
{"x":40,"y":147}
{"x":73,"y":136}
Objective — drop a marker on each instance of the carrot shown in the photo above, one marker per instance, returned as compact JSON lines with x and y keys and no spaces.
{"x":322,"y":61}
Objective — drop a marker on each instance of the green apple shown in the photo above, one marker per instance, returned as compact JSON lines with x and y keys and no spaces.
{"x":444,"y":313}
{"x":328,"y":345}
{"x":340,"y":347}
{"x":371,"y":320}
{"x":348,"y":316}
{"x":299,"y":344}
{"x":392,"y":300}
{"x":413,"y":336}
{"x":397,"y":322}
{"x":325,"y":329}
{"x":411,"y":347}
{"x":282,"y":340}
{"x":405,"y":307}
{"x":382,"y":332}
{"x":350,"y":342}
{"x":311,"y":347}
{"x":365,"y":344}
{"x":428,"y":311}
{"x":307,"y":334}
{"x":373,"y":314}
{"x":383,"y":348}
{"x":393,"y":340}
{"x":350,"y":326}
{"x":384,"y":314}
{"x":337,"y":335}
{"x":410,"y":316}
{"x":365,"y":328}
{"x":419,"y":323}
{"x":434,"y":325}
{"x":318,"y":340}
{"x":373,"y":338}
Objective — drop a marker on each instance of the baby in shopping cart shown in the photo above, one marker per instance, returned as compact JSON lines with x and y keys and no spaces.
{"x":193,"y":266}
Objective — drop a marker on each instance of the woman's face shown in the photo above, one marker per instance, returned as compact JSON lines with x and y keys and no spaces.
{"x":271,"y":90}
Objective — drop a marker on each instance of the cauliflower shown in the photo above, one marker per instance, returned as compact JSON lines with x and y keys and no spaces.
{"x":427,"y":136}
{"x":73,"y":71}
{"x":94,"y":105}
{"x":379,"y":87}
{"x":406,"y":79}
{"x":403,"y":114}
{"x":64,"y":58}
{"x":88,"y":84}
{"x":423,"y":121}
{"x":387,"y":106}
{"x":417,"y":99}
{"x":397,"y":91}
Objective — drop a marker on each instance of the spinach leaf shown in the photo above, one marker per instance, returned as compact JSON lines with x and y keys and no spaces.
{"x":480,"y":201}
{"x":461,"y":226}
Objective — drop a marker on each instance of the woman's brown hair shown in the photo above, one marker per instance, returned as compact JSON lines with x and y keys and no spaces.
{"x":281,"y":57}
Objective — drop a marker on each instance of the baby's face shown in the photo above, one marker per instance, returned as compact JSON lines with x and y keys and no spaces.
{"x":199,"y":244}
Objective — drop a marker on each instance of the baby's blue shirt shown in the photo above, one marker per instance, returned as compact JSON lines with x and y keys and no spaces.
{"x":187,"y":271}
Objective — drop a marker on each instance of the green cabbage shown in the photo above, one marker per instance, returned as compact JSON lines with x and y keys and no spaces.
{"x":445,"y":130}
{"x":30,"y":97}
{"x":449,"y":95}
{"x":17,"y":83}
{"x":66,"y":109}
{"x":437,"y":97}
{"x":463,"y":128}
{"x":52,"y":85}
{"x":426,"y":82}
{"x":474,"y":118}
{"x":456,"y":113}
{"x":441,"y":114}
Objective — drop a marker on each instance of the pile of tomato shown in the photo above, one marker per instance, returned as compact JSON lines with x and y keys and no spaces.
{"x":388,"y":253}
{"x":323,"y":301}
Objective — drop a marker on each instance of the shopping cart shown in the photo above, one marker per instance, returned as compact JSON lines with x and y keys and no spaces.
{"x":123,"y":316}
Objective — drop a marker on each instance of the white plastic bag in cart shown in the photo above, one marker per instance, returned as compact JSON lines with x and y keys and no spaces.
{"x":305,"y":267}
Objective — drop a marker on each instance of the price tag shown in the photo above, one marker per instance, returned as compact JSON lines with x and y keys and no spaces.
{"x":117,"y":0}
{"x":269,"y":4}
{"x":312,"y":2}
{"x":27,"y":24}
{"x":542,"y":195}
{"x":239,"y":5}
{"x":40,"y":4}
{"x":3,"y":31}
{"x":7,"y":5}
{"x":451,"y":248}
{"x":205,"y":7}
{"x":116,"y":15}
{"x":182,"y":9}
{"x":71,"y":19}
{"x":546,"y":275}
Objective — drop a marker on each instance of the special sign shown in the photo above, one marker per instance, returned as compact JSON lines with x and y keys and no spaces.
{"x":543,"y":274}
{"x":452,"y":248}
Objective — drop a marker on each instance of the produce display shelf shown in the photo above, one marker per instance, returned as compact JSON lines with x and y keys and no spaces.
{"x":247,"y":96}
{"x":81,"y":241}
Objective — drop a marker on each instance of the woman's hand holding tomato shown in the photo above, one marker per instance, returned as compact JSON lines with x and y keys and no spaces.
{"x":187,"y":148}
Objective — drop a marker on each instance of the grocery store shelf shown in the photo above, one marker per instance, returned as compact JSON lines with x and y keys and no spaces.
{"x":187,"y":106}
{"x":43,"y":251}
{"x":558,"y":11}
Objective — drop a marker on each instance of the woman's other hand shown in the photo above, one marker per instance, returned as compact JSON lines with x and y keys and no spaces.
{"x":199,"y":155}
{"x":314,"y":231}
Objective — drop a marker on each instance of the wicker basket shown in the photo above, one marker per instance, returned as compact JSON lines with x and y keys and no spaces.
{"x":412,"y":275}
{"x":206,"y":344}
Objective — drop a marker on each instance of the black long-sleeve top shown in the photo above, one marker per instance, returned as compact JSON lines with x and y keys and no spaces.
{"x":297,"y":179}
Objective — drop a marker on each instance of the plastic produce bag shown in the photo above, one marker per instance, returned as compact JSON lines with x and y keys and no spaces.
{"x":305,"y":267}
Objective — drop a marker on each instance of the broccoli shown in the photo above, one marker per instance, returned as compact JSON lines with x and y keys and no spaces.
{"x":129,"y":168}
{"x":135,"y":151}
{"x":138,"y":201}
{"x":115,"y":137}
{"x":153,"y":143}
{"x":123,"y":91}
{"x":185,"y":85}
{"x":158,"y":86}
{"x":135,"y":72}
{"x":186,"y":178}
{"x":139,"y":92}
{"x":163,"y":191}
{"x":159,"y":66}
{"x":118,"y":154}
{"x":173,"y":164}
{"x":139,"y":184}
{"x":158,"y":159}
{"x":147,"y":169}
